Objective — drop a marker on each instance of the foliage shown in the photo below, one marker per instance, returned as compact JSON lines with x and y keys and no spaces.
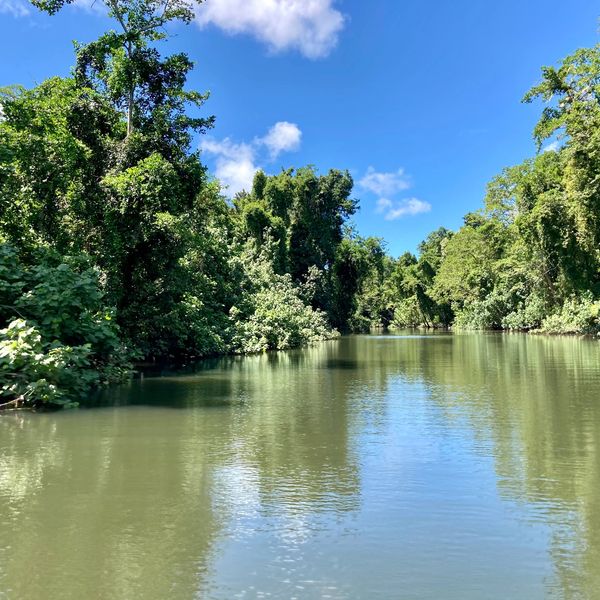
{"x":407,"y":313}
{"x":103,"y":203}
{"x":271,"y":314}
{"x":410,"y":286}
{"x":528,"y":315}
{"x":530,"y":260}
{"x":116,"y":242}
{"x":358,"y":274}
{"x":126,"y":69}
{"x":577,"y":315}
{"x":60,"y":340}
{"x":34,"y":374}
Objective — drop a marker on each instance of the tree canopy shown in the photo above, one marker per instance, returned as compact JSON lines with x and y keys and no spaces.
{"x":116,"y":243}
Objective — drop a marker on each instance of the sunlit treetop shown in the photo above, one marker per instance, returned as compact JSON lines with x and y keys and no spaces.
{"x":141,"y":16}
{"x":128,"y":70}
{"x":573,"y":91}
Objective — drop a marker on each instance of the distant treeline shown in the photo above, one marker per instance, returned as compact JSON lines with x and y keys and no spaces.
{"x":529,"y":259}
{"x":116,"y":244}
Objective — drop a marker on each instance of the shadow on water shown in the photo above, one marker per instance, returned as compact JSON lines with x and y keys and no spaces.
{"x":341,"y":363}
{"x":174,"y":391}
{"x":210,"y":382}
{"x":143,"y":502}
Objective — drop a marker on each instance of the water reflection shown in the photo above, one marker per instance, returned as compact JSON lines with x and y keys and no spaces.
{"x":455,"y":466}
{"x":532,"y":402}
{"x":131,"y":502}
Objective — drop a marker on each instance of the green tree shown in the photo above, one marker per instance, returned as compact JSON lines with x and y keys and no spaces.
{"x":128,"y":69}
{"x":145,"y":180}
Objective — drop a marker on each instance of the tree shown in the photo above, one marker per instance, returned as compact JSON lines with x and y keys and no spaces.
{"x":303,"y":214}
{"x":129,"y":179}
{"x":357,"y":276}
{"x":127,"y":68}
{"x":572,"y":94}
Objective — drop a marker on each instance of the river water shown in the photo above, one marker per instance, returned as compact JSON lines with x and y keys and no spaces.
{"x":438,"y":466}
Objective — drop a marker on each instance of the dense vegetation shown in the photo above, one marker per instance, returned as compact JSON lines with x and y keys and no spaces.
{"x":117,"y":245}
{"x":529,"y":260}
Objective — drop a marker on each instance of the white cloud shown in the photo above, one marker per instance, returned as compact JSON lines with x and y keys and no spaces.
{"x":282,"y":137}
{"x":384,"y":184}
{"x":235,"y":166}
{"x":551,"y":147}
{"x":396,"y":209}
{"x":388,"y":185}
{"x":384,"y":204}
{"x":236,"y":163}
{"x":16,"y":8}
{"x":310,"y":26}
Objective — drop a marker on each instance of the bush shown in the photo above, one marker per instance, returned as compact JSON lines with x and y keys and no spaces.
{"x":271,"y":314}
{"x":407,"y":314}
{"x":577,"y":315}
{"x":481,"y":314}
{"x":193,"y":329}
{"x":33,"y":373}
{"x":528,"y":315}
{"x":60,"y":340}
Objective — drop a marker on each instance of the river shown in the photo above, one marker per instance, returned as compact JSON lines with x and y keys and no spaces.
{"x":441,"y":466}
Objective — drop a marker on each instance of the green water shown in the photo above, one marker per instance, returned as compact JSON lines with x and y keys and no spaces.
{"x":438,"y":466}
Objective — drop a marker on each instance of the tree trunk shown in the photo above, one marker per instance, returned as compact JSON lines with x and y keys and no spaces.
{"x":130,"y":111}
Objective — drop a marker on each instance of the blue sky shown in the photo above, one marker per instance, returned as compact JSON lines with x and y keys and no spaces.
{"x":420,"y":101}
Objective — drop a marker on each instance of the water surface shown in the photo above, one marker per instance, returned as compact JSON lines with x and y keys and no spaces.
{"x":436,"y":466}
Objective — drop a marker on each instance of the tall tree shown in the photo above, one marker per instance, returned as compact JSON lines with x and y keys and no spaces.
{"x":127,"y":66}
{"x":146,"y":180}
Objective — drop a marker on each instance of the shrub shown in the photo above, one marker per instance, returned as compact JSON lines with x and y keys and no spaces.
{"x":60,"y":340}
{"x":407,"y":314}
{"x":271,"y":314}
{"x":33,"y":373}
{"x":481,"y":314}
{"x":577,"y":315}
{"x":528,"y":315}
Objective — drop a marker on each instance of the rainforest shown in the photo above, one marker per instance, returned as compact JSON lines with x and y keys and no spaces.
{"x":118,"y":247}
